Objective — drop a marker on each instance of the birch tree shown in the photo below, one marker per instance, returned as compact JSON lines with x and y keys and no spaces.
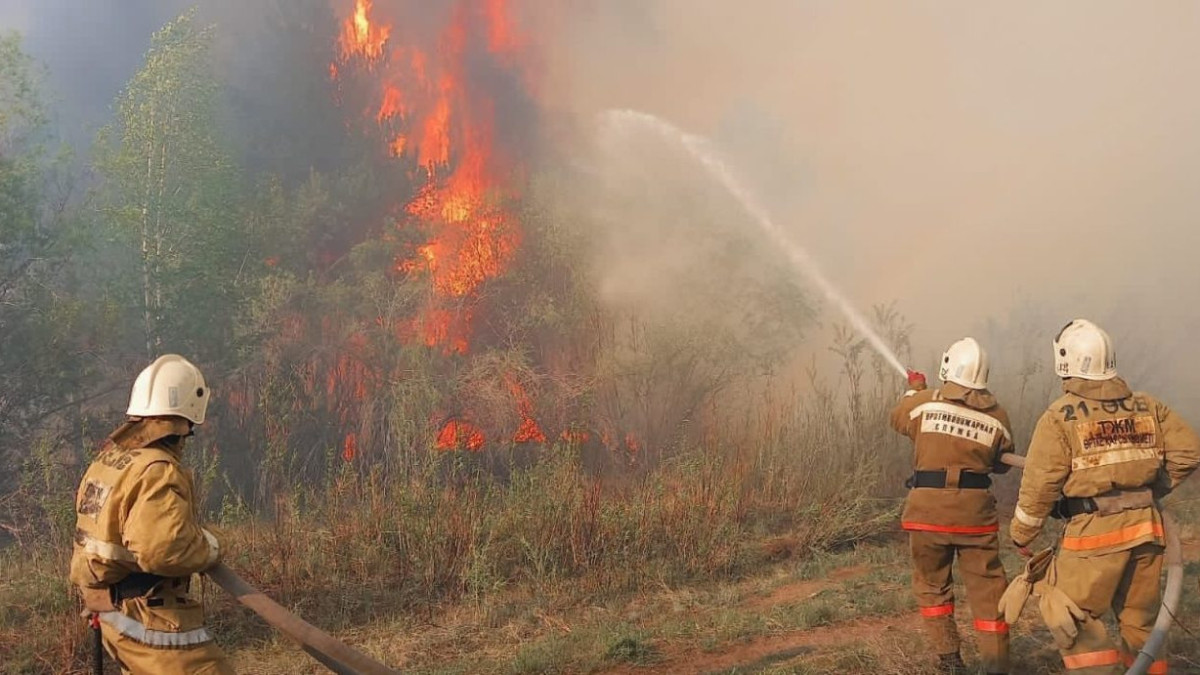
{"x":169,"y":184}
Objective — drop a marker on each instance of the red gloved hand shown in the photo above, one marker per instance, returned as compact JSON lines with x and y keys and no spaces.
{"x":916,"y":380}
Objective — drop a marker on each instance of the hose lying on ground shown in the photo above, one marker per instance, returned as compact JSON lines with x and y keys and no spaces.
{"x":1170,"y":604}
{"x":333,"y":654}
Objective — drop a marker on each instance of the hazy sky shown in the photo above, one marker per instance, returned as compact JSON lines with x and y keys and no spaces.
{"x":963,"y":159}
{"x":966,"y":160}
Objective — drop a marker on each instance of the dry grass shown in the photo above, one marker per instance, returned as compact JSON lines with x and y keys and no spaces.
{"x":359,"y":551}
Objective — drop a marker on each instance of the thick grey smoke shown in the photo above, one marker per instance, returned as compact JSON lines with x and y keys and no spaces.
{"x":995,"y":169}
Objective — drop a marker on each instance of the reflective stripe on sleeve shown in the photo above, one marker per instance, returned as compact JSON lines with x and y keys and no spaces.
{"x":1114,"y":538}
{"x":941,"y":610}
{"x":984,"y":626}
{"x":1108,"y":657}
{"x":1114,"y":457}
{"x":106,"y":550}
{"x":1027,"y":519}
{"x":214,"y":548}
{"x":949,"y":529}
{"x":137,"y":631}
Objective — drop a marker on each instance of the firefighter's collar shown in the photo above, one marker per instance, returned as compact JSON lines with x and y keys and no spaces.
{"x":140,"y":432}
{"x":979,"y":399}
{"x":1098,"y":390}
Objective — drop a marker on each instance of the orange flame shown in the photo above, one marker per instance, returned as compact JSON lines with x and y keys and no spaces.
{"x":529,"y":431}
{"x":362,"y":37}
{"x":456,"y":434}
{"x":575,"y":436}
{"x":433,"y":117}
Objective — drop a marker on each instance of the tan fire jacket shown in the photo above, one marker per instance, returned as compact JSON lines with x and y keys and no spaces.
{"x":1101,"y":438}
{"x":954,"y":429}
{"x":135,"y":510}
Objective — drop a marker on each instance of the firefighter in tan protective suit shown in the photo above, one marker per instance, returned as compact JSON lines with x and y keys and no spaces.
{"x":1100,"y":457}
{"x":137,"y":540}
{"x":958,"y":434}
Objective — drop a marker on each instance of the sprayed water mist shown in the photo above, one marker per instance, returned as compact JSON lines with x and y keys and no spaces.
{"x":701,"y":149}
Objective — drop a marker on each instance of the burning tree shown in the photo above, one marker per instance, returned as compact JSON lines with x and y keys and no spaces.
{"x":442,"y":299}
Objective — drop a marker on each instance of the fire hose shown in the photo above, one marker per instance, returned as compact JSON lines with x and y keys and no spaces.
{"x":331,"y":653}
{"x":1166,"y":613}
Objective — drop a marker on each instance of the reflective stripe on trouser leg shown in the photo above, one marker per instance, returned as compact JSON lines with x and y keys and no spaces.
{"x":1092,"y":582}
{"x":932,"y":557}
{"x":1093,"y":652}
{"x":1137,"y":598}
{"x":1156,"y":668}
{"x":983,"y":574}
{"x":1102,"y":661}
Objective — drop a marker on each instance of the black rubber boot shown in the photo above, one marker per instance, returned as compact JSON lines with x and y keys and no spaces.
{"x":952,"y":664}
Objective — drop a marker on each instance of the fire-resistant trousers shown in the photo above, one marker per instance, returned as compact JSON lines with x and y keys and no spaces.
{"x":933,"y":555}
{"x":1128,"y":583}
{"x":163,"y":635}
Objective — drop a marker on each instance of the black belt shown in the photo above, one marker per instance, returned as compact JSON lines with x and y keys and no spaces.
{"x":1113,"y":501}
{"x":1067,"y":508}
{"x":937,"y":479}
{"x":140,"y":584}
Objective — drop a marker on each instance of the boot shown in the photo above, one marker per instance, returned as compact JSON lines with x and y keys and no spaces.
{"x":952,"y":664}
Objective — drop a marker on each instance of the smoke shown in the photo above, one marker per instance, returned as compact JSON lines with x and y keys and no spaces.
{"x":89,"y":50}
{"x":996,"y":170}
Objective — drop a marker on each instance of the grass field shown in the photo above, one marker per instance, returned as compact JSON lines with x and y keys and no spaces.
{"x":762,"y":553}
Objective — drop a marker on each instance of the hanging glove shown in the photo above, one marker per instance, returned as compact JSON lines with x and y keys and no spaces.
{"x":1061,"y":614}
{"x":1017,"y":593}
{"x":916,"y":381}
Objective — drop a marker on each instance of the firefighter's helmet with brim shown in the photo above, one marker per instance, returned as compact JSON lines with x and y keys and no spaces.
{"x":170,"y":386}
{"x":965,"y":362}
{"x":1082,"y":349}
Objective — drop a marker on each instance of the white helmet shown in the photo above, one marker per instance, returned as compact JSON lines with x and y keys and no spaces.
{"x":1082,"y":349}
{"x":966,"y":363}
{"x":169,"y":386}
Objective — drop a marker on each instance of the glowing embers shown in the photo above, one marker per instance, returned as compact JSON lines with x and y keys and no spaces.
{"x":528,"y":431}
{"x":457,"y":435}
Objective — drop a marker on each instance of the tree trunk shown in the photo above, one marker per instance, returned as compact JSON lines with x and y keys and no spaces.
{"x":147,"y":299}
{"x":159,"y":235}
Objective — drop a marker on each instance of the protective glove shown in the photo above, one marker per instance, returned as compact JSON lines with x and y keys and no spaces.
{"x":1061,"y":614}
{"x":1017,"y":593}
{"x":916,"y":380}
{"x":1014,"y":598}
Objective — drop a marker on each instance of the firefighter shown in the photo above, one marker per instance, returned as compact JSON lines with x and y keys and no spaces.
{"x":137,"y":540}
{"x":1100,"y":457}
{"x":959,"y":433}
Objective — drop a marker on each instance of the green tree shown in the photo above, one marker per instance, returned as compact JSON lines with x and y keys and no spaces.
{"x":45,"y":329}
{"x":170,"y":195}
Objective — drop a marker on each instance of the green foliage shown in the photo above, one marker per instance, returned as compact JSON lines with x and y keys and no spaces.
{"x":170,"y":199}
{"x":48,"y":329}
